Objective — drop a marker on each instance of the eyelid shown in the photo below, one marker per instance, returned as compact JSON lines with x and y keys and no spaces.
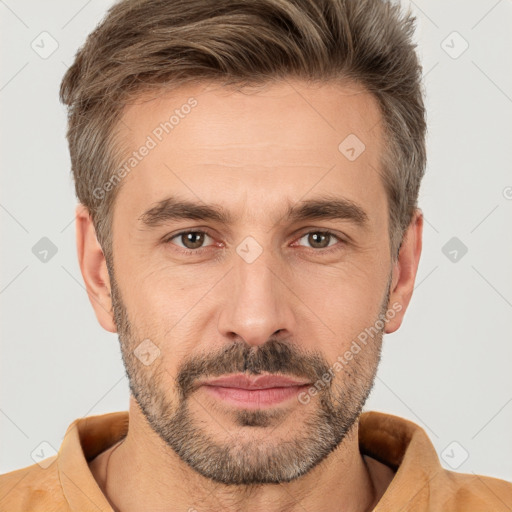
{"x":200,"y":250}
{"x":324,"y":231}
{"x":168,"y":238}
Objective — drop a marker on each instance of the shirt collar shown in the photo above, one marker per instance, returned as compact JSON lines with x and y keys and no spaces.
{"x":394,"y":441}
{"x":84,"y":439}
{"x":405,"y":447}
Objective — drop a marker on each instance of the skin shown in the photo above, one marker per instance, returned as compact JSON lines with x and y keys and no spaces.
{"x":249,"y":153}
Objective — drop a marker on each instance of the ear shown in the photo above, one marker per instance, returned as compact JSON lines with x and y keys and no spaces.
{"x":404,"y":271}
{"x":94,"y":268}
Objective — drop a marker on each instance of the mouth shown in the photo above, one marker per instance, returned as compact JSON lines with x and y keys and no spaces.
{"x":254,"y":392}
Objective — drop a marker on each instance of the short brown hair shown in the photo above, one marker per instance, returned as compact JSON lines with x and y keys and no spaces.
{"x":143,"y":45}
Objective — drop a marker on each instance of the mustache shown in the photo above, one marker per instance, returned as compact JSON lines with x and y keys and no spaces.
{"x":274,"y":356}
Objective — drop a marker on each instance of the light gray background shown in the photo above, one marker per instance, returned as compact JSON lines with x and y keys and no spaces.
{"x":449,"y":366}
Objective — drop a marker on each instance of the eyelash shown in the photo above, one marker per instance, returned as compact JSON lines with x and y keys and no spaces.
{"x":202,"y":249}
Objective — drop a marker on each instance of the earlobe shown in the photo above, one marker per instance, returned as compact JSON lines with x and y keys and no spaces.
{"x":94,"y":268}
{"x":404,"y":272}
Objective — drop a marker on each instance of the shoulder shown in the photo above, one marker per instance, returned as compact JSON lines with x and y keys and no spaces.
{"x":420,"y":482}
{"x":35,"y":488}
{"x":473,"y":493}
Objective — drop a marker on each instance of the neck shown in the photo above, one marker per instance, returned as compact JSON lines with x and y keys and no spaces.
{"x":142,"y":473}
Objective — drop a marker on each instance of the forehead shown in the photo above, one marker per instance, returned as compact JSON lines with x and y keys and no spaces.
{"x":254,"y":149}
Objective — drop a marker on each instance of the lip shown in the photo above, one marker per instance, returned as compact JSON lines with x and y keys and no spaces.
{"x":242,"y":381}
{"x":254,"y":392}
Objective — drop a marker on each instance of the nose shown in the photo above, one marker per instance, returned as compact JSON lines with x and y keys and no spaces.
{"x":258,"y":303}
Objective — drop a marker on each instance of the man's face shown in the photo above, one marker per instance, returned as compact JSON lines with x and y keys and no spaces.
{"x":256,"y":291}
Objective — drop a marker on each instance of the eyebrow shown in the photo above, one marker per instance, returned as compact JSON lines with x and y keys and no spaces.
{"x":322,"y":208}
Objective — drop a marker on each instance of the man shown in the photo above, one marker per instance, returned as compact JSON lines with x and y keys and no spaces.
{"x":248,"y":175}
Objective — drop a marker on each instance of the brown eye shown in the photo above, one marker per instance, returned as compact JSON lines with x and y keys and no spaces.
{"x":320,"y":239}
{"x":191,"y":240}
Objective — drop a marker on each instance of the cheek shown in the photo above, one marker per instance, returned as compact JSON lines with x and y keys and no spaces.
{"x":169,"y":306}
{"x":344,"y":301}
{"x":332,"y":301}
{"x":165,"y":292}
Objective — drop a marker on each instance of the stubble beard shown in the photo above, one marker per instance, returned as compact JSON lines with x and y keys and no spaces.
{"x":261,"y":447}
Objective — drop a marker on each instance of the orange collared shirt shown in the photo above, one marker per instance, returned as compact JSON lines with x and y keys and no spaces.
{"x":64,"y":482}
